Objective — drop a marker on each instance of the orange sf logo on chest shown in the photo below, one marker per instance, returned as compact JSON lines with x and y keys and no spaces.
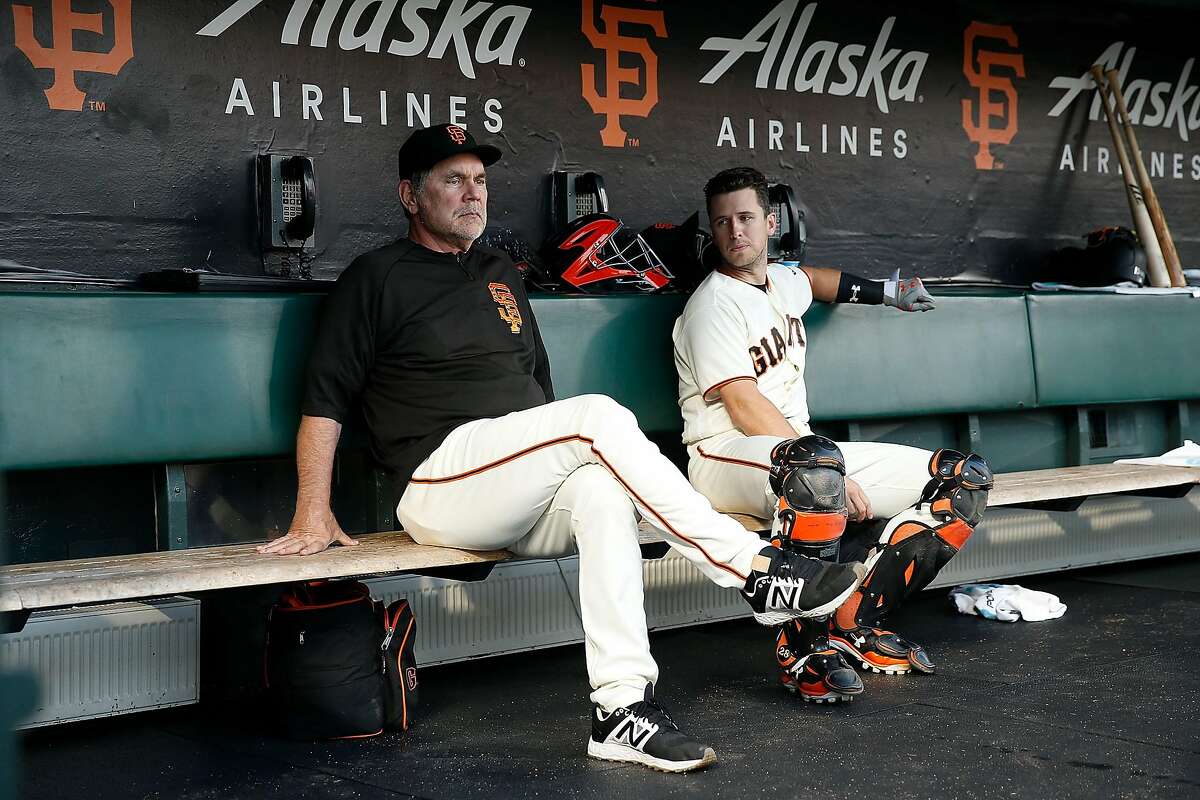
{"x":509,"y":311}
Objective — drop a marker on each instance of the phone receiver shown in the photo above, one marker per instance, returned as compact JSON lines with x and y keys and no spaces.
{"x":791,"y":236}
{"x":574,"y":195}
{"x":592,"y":183}
{"x":299,"y":197}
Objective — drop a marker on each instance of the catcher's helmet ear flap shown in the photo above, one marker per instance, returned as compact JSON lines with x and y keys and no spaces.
{"x":595,"y":253}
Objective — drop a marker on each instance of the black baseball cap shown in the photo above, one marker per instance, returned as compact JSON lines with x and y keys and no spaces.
{"x":428,"y":146}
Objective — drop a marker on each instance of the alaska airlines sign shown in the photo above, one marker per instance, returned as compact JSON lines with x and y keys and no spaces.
{"x":365,"y":22}
{"x":888,"y":74}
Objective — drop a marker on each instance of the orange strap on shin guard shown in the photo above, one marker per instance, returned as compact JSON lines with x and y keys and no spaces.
{"x":814,"y":533}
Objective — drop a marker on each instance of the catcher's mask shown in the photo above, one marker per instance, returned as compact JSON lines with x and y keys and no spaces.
{"x":596,"y":253}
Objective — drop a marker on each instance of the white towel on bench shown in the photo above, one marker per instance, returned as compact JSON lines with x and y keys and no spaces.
{"x":1006,"y":602}
{"x":1186,"y":456}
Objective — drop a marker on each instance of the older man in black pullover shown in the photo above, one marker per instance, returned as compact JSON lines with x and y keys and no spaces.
{"x":435,"y":337}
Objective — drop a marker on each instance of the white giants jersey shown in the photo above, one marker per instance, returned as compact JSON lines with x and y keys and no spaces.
{"x":731,"y":330}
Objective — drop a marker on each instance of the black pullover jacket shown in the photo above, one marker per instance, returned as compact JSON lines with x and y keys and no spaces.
{"x":427,"y":341}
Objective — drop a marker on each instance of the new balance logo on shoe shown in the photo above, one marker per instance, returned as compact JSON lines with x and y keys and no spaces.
{"x":644,"y":733}
{"x":785,"y":585}
{"x":634,"y":731}
{"x":785,"y":594}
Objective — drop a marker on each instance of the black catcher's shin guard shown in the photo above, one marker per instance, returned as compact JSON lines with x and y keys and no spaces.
{"x":808,"y":475}
{"x":911,"y":550}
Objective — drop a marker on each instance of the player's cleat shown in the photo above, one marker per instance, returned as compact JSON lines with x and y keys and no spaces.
{"x":810,"y":668}
{"x":644,"y":733}
{"x":784,"y":586}
{"x":880,"y":651}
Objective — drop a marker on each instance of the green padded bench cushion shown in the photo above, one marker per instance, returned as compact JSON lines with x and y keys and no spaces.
{"x":93,"y":378}
{"x":96,"y":378}
{"x":618,"y":345}
{"x":1090,"y":349}
{"x":970,"y":354}
{"x":116,"y":378}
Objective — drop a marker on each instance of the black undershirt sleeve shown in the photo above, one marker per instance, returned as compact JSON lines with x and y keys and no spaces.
{"x":853,"y":289}
{"x":541,"y":370}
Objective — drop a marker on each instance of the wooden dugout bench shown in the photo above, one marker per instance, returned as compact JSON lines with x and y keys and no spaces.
{"x":93,"y":580}
{"x":1048,"y":388}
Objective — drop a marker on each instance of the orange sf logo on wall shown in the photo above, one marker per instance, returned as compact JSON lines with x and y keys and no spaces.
{"x":510,"y":312}
{"x":611,"y":104}
{"x":988,"y":84}
{"x":61,"y":56}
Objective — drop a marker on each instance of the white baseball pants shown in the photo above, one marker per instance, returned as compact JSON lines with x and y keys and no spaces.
{"x":574,"y":475}
{"x":731,"y":471}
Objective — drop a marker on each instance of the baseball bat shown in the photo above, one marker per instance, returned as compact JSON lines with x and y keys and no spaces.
{"x":1156,"y":267}
{"x":1157,"y":218}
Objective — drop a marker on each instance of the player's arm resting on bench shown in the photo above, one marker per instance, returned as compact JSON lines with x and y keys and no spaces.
{"x":341,"y":359}
{"x":835,"y":286}
{"x":313,"y":526}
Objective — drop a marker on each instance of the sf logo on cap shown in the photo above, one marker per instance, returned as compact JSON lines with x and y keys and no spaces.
{"x":457,"y":134}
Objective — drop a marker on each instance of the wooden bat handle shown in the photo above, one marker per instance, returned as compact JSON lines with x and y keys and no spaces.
{"x":1156,"y":268}
{"x":1157,"y":218}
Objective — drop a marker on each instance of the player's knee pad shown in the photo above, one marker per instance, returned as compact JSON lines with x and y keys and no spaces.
{"x":808,"y":476}
{"x":957,"y":493}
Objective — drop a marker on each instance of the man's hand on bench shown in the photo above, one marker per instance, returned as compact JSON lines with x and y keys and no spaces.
{"x":310,"y":532}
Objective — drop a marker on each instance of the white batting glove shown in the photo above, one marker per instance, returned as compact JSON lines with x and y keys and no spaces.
{"x":908,"y":295}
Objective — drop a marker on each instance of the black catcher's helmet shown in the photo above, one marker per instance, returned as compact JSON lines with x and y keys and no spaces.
{"x":597,"y":254}
{"x":686,"y":250}
{"x":1112,"y":255}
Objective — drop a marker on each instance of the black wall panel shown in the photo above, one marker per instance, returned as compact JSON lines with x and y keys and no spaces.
{"x":148,"y":165}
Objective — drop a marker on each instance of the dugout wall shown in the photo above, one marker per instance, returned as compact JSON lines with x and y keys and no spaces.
{"x":963,"y":138}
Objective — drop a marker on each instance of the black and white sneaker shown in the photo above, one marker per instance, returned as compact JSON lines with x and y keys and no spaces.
{"x":644,"y":733}
{"x":784,"y":585}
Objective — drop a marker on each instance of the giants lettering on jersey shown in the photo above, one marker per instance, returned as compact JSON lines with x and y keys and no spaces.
{"x":770,"y":352}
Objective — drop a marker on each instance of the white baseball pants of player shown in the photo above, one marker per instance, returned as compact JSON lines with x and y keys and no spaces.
{"x":731,"y":471}
{"x":573,"y":476}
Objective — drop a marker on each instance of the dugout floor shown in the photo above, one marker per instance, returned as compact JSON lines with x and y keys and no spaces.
{"x":1104,"y":702}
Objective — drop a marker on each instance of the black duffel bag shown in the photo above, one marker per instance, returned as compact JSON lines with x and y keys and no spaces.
{"x":339,"y":665}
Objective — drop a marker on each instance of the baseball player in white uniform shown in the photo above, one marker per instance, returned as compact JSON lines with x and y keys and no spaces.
{"x":739,"y":351}
{"x":434,"y":337}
